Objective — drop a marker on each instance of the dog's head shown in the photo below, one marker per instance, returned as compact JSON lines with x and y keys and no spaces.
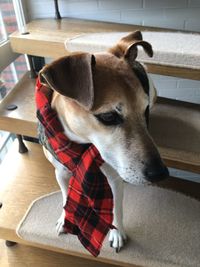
{"x":105,"y":99}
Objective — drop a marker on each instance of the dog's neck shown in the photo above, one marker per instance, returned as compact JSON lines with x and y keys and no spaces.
{"x":68,"y":132}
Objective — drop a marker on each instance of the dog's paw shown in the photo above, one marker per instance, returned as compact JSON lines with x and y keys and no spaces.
{"x":117,"y":239}
{"x":60,"y":224}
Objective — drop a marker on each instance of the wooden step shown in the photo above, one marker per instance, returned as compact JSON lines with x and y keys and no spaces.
{"x":23,"y":256}
{"x":21,"y":120}
{"x":46,"y":38}
{"x":30,"y":176}
{"x":25,"y":177}
{"x":174,"y":125}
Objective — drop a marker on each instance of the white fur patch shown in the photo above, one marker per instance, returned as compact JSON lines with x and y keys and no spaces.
{"x":152,"y":92}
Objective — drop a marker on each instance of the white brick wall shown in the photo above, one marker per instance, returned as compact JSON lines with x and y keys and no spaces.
{"x":177,"y":14}
{"x":165,"y":4}
{"x":194,"y":3}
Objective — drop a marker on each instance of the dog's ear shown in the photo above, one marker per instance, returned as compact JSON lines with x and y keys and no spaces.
{"x":72,"y":77}
{"x":127,"y":47}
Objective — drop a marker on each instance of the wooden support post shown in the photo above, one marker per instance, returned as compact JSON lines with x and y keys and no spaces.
{"x":22,"y":148}
{"x":33,"y":73}
{"x":57,"y":12}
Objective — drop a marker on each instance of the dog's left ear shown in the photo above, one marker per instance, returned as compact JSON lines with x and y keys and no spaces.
{"x":72,"y":77}
{"x":127,"y":47}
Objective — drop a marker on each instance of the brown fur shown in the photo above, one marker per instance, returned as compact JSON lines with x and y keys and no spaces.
{"x":127,"y":47}
{"x":86,"y":85}
{"x":72,"y":76}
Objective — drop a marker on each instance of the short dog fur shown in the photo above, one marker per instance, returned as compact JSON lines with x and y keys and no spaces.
{"x":102,"y":99}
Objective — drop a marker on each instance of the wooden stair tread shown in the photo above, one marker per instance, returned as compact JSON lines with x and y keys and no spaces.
{"x":170,"y":116}
{"x":55,"y":32}
{"x":17,"y":257}
{"x":32,"y":176}
{"x":174,"y":125}
{"x":47,"y":36}
{"x":21,"y":120}
{"x":179,"y":159}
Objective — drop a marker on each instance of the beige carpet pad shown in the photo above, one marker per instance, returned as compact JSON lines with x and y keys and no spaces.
{"x":163,"y":228}
{"x":170,"y":48}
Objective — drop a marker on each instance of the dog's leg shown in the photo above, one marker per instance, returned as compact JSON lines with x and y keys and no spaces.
{"x":62,"y":176}
{"x":117,"y":237}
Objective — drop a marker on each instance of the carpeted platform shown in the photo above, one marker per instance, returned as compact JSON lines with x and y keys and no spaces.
{"x":170,"y":48}
{"x":163,"y":228}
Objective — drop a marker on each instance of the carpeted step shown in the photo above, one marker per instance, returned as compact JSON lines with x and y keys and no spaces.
{"x":163,"y":228}
{"x":176,"y":49}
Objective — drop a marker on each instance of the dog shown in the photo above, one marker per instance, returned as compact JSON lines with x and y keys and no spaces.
{"x":104,"y":99}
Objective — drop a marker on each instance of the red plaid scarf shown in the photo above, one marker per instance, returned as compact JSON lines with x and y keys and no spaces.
{"x":89,"y":206}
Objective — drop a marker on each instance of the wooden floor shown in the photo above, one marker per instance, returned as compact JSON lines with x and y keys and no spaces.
{"x":23,"y":256}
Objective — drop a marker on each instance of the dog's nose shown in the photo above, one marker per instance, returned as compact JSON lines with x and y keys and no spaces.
{"x":156,"y":171}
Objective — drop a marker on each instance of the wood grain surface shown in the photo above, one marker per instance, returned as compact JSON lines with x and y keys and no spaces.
{"x":23,"y":256}
{"x":21,"y":120}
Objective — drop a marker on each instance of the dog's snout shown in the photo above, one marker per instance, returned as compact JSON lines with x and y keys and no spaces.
{"x":156,"y":171}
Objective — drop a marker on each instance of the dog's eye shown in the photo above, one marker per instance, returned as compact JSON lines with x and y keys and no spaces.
{"x":109,"y":118}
